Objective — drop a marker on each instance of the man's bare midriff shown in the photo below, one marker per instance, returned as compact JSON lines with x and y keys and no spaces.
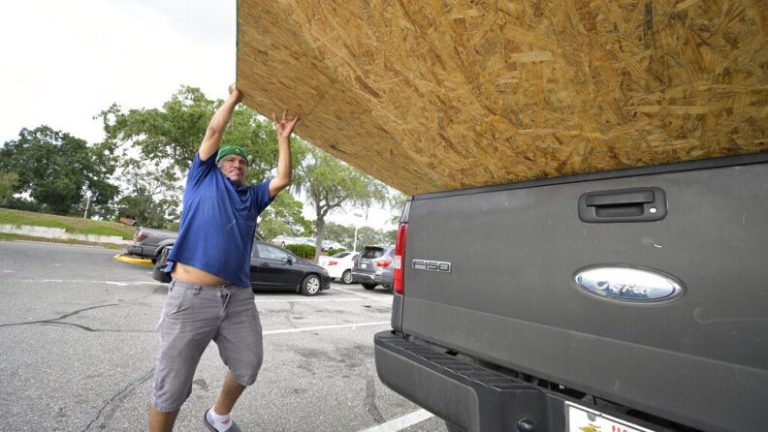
{"x":195,"y":276}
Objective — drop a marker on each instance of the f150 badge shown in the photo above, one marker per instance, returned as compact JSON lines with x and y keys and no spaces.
{"x":438,"y":266}
{"x":628,"y":284}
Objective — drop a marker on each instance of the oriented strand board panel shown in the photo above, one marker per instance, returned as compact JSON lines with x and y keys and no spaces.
{"x":436,"y":95}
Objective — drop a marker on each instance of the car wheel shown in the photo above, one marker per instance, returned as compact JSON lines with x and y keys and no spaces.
{"x":311,"y":285}
{"x":369,"y":286}
{"x":346,"y":277}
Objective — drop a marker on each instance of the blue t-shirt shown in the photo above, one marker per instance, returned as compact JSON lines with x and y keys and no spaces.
{"x":218,"y":223}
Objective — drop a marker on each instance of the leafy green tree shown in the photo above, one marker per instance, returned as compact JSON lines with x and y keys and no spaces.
{"x":330,"y":183}
{"x":150,"y":195}
{"x":60,"y":171}
{"x":340,"y":233}
{"x":8,"y":182}
{"x":283,"y":217}
{"x":371,"y":236}
{"x":396,"y":201}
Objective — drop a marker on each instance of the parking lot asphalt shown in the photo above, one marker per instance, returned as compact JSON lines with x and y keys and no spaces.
{"x":78,"y":352}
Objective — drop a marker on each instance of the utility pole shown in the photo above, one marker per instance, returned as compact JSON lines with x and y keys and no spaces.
{"x":87,"y":204}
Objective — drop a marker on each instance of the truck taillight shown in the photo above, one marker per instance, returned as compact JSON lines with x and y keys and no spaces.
{"x":141,"y":236}
{"x":402,"y":233}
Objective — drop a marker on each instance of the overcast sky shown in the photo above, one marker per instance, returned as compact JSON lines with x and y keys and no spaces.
{"x":65,"y":61}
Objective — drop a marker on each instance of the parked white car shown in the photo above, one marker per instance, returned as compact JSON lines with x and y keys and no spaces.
{"x":339,"y":266}
{"x":328,"y":245}
{"x":283,"y":241}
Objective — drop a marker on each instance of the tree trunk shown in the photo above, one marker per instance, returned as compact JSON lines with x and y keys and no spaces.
{"x":320,"y":231}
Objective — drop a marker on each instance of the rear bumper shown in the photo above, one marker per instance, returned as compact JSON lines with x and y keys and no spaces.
{"x":363,"y":277}
{"x":377,"y":278}
{"x":141,"y":250}
{"x":474,"y":398}
{"x":471,"y":397}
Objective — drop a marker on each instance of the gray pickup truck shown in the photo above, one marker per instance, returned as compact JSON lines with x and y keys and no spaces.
{"x":150,"y":242}
{"x":631,"y":300}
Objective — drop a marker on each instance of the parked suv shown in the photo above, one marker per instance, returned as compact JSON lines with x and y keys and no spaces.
{"x":374,"y":266}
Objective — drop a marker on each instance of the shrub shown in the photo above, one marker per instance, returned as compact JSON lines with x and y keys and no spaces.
{"x":303,"y":251}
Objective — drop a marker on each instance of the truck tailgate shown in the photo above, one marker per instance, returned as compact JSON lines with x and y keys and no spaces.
{"x":510,"y":297}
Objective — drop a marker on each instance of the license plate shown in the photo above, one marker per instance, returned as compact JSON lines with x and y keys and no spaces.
{"x":581,"y":419}
{"x":365,"y":265}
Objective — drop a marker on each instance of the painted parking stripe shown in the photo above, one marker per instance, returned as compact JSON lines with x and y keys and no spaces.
{"x":387,"y":299}
{"x":118,"y":283}
{"x":401,"y":423}
{"x":326,"y":327}
{"x":260,"y":300}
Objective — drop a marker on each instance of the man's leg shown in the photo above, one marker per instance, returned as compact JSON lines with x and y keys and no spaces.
{"x":189,"y":321}
{"x":230,"y":392}
{"x":161,"y":421}
{"x":240,"y":347}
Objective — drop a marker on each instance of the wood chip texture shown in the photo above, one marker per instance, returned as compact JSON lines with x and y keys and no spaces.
{"x":440,"y":95}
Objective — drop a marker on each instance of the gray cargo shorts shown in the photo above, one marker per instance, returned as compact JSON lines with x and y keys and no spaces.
{"x":194,"y":315}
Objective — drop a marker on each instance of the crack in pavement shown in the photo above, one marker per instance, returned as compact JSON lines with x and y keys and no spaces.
{"x":370,"y":400}
{"x":110,"y":407}
{"x":57,"y":321}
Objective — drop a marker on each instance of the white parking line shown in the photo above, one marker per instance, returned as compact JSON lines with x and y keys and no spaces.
{"x":326,"y":327}
{"x":401,"y":423}
{"x":260,"y":300}
{"x":118,"y":283}
{"x":387,"y":299}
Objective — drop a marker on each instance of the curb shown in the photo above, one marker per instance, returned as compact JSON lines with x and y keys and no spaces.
{"x":132,"y":260}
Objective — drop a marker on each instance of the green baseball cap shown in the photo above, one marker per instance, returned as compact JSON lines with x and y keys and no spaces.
{"x":228,"y":150}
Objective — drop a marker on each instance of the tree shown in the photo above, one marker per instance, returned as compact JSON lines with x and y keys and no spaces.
{"x":8,"y":182}
{"x":340,"y":233}
{"x":329,"y":183}
{"x":371,"y":236}
{"x":150,"y":196}
{"x":284,"y":217}
{"x":396,"y":202}
{"x":60,"y":171}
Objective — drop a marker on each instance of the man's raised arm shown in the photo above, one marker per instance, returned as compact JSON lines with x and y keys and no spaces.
{"x":284,"y":128}
{"x":218,"y":123}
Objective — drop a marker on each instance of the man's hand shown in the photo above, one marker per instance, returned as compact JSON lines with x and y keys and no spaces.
{"x":235,"y":92}
{"x":218,"y":123}
{"x":285,"y":125}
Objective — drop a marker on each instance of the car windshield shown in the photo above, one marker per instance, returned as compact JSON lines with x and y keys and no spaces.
{"x":341,"y":254}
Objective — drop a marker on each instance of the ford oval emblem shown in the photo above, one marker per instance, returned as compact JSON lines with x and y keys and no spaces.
{"x":628,"y":284}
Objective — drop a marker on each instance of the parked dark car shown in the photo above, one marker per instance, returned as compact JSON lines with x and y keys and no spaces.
{"x":272,"y":269}
{"x":374,"y":266}
{"x":150,"y":242}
